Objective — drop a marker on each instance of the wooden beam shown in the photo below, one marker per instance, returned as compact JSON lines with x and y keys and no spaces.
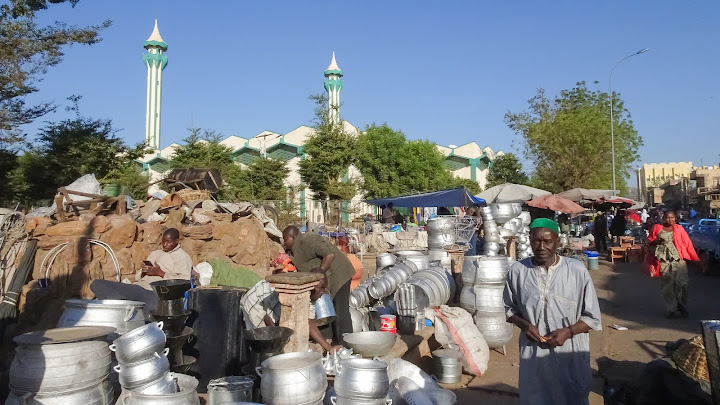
{"x":59,"y":207}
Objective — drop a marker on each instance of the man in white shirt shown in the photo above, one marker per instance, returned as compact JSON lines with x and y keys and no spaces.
{"x":170,"y":262}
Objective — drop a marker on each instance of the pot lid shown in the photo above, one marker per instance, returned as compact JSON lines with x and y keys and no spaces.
{"x":63,"y":335}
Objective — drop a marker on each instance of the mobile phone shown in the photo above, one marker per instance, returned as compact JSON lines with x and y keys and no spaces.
{"x":147,"y":263}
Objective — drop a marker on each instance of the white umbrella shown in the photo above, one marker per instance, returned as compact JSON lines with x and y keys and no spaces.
{"x":510,"y":192}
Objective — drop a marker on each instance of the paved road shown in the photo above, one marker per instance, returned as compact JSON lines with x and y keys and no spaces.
{"x":628,"y":298}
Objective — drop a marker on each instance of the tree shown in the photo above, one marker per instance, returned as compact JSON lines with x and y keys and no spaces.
{"x":8,"y":163}
{"x":506,"y":169}
{"x":67,"y":150}
{"x":27,"y":51}
{"x":202,"y":149}
{"x":329,"y":152}
{"x":472,"y":186}
{"x":391,"y":165}
{"x":568,"y":139}
{"x":263,"y":179}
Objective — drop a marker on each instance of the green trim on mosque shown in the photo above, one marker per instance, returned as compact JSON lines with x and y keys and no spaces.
{"x":153,"y":58}
{"x":333,"y":85}
{"x":333,"y":72}
{"x":159,"y":44}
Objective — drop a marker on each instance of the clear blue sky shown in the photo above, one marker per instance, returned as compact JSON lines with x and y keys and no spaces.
{"x":443,"y":71}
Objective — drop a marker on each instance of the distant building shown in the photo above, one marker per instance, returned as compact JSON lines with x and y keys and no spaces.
{"x":652,"y":175}
{"x":706,"y":195}
{"x":469,"y":161}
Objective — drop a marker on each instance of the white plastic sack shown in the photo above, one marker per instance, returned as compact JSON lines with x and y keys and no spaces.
{"x":206,"y":271}
{"x":454,"y":327}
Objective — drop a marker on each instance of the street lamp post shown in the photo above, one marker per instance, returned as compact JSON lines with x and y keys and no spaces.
{"x":612,"y":120}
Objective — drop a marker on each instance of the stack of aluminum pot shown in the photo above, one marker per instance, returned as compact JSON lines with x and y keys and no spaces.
{"x":441,"y":233}
{"x":73,"y":373}
{"x":482,"y":295}
{"x":523,"y":237}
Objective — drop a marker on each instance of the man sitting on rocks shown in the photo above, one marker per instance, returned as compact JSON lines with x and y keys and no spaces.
{"x":170,"y":262}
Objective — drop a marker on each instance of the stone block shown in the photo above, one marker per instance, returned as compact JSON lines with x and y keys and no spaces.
{"x":140,"y":252}
{"x":78,"y":250}
{"x":150,"y":232}
{"x":101,"y":224}
{"x":197,"y":232}
{"x":37,"y":226}
{"x":122,"y":234}
{"x":73,"y":228}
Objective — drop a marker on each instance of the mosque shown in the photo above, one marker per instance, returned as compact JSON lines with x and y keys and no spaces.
{"x":468,"y":161}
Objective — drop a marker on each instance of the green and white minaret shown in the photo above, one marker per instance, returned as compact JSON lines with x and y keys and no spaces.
{"x":155,"y":60}
{"x":333,"y":85}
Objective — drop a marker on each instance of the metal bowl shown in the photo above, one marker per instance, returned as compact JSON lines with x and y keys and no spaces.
{"x":370,"y":344}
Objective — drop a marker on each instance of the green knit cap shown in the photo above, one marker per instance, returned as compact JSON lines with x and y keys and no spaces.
{"x":545,"y":223}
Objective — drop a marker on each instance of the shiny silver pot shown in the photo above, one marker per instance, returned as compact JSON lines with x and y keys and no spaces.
{"x":359,"y":297}
{"x":525,"y":218}
{"x":370,"y":344}
{"x":338,"y":400}
{"x":362,"y":379}
{"x":140,"y":343}
{"x":438,"y":241}
{"x":405,"y":253}
{"x":186,"y":395}
{"x":133,"y":375}
{"x":167,"y":384}
{"x":230,"y":390}
{"x":292,"y":378}
{"x":96,"y":394}
{"x":440,"y":255}
{"x":503,"y":212}
{"x":484,"y":269}
{"x":482,"y":297}
{"x":440,"y":225}
{"x":59,"y":367}
{"x":123,"y":315}
{"x":494,"y":328}
{"x":384,"y":260}
{"x":421,"y":262}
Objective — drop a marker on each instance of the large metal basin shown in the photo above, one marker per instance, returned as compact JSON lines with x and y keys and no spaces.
{"x":484,"y":269}
{"x":292,"y":378}
{"x":362,"y":379}
{"x":370,"y":344}
{"x":123,"y":315}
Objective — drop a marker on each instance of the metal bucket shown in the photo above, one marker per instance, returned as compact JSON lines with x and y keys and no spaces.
{"x":324,"y":310}
{"x":230,"y":389}
{"x":447,"y":365}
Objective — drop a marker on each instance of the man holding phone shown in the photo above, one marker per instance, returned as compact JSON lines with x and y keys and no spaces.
{"x":170,"y":262}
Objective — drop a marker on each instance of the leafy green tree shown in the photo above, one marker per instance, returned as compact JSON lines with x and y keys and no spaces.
{"x":67,"y":150}
{"x":329,"y":152}
{"x":391,"y":165}
{"x":202,"y":149}
{"x":568,"y":139}
{"x":506,"y":169}
{"x":263,"y":179}
{"x":472,"y":186}
{"x":8,"y":163}
{"x":28,"y":50}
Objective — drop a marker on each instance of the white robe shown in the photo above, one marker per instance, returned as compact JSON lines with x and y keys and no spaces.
{"x":551,"y":300}
{"x":176,"y":264}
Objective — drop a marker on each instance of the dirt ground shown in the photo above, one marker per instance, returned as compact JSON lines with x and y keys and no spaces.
{"x":628,"y":298}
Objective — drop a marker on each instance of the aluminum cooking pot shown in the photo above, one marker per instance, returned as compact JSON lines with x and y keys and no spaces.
{"x":167,"y":384}
{"x":384,"y":260}
{"x":140,"y":343}
{"x":59,"y":367}
{"x":123,"y":315}
{"x":362,"y":379}
{"x":292,"y":378}
{"x":96,"y":394}
{"x":186,"y":395}
{"x":133,"y":375}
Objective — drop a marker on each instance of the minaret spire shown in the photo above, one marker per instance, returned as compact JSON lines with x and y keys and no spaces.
{"x":155,"y":60}
{"x":333,"y":85}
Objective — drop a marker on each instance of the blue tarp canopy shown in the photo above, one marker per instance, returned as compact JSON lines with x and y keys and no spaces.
{"x":453,"y":197}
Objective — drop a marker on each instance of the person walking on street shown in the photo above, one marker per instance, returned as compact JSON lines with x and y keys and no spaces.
{"x":618,"y":226}
{"x":672,"y":247}
{"x":553,"y":301}
{"x":600,"y":231}
{"x":310,"y":252}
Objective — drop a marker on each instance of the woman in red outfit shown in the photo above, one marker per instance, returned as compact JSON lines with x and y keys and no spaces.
{"x":671,"y":247}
